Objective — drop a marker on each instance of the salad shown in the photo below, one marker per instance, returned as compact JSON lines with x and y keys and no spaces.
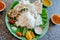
{"x":27,"y":19}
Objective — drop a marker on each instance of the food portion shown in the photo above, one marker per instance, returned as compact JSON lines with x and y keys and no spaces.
{"x":2,"y":5}
{"x":38,"y":30}
{"x":27,"y":18}
{"x":13,"y":13}
{"x":14,"y":28}
{"x":27,"y":14}
{"x":38,"y":6}
{"x":11,"y":21}
{"x":55,"y":19}
{"x":30,"y":35}
{"x":19,"y":34}
{"x":47,"y":3}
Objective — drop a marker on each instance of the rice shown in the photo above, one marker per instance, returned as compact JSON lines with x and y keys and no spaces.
{"x":31,"y":18}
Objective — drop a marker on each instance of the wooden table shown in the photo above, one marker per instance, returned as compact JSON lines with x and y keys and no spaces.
{"x":52,"y":34}
{"x":4,"y":33}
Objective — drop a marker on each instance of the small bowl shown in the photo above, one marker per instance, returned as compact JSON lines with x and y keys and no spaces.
{"x":3,"y":7}
{"x":53,"y":20}
{"x":47,"y":5}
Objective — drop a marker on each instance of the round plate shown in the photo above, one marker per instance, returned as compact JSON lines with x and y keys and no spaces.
{"x":45,"y":26}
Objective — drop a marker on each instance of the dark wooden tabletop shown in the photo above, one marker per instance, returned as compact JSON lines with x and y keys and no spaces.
{"x":4,"y":33}
{"x":52,"y":34}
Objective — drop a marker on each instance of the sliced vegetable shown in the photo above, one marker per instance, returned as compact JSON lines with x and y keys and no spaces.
{"x":24,"y":9}
{"x":19,"y":34}
{"x":13,"y":13}
{"x":38,"y":6}
{"x":29,"y":35}
{"x":38,"y":30}
{"x":11,"y":21}
{"x":14,"y":28}
{"x":24,"y":31}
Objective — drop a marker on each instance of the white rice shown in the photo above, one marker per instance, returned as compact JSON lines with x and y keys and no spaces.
{"x":31,"y":18}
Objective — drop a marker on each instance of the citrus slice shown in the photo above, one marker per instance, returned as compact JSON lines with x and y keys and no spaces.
{"x":55,"y":19}
{"x":47,"y":3}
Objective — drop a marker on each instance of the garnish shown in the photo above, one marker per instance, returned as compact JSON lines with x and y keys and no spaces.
{"x":24,"y":9}
{"x":38,"y":30}
{"x":29,"y":35}
{"x":11,"y":21}
{"x":19,"y":34}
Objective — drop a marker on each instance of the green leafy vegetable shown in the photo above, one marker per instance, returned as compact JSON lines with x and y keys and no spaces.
{"x":13,"y":4}
{"x":24,"y":31}
{"x":44,"y":16}
{"x":24,"y":9}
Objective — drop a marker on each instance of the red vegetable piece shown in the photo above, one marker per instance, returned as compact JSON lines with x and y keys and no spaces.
{"x":11,"y":21}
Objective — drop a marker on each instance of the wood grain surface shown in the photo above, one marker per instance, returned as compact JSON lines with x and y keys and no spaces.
{"x":4,"y":33}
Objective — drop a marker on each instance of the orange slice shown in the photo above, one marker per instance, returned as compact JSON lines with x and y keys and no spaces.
{"x":55,"y":19}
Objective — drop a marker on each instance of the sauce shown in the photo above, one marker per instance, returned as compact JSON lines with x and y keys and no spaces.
{"x":47,"y":2}
{"x":56,"y":19}
{"x":38,"y":30}
{"x":1,"y":5}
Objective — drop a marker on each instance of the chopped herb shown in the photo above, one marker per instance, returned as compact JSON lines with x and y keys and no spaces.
{"x":24,"y":9}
